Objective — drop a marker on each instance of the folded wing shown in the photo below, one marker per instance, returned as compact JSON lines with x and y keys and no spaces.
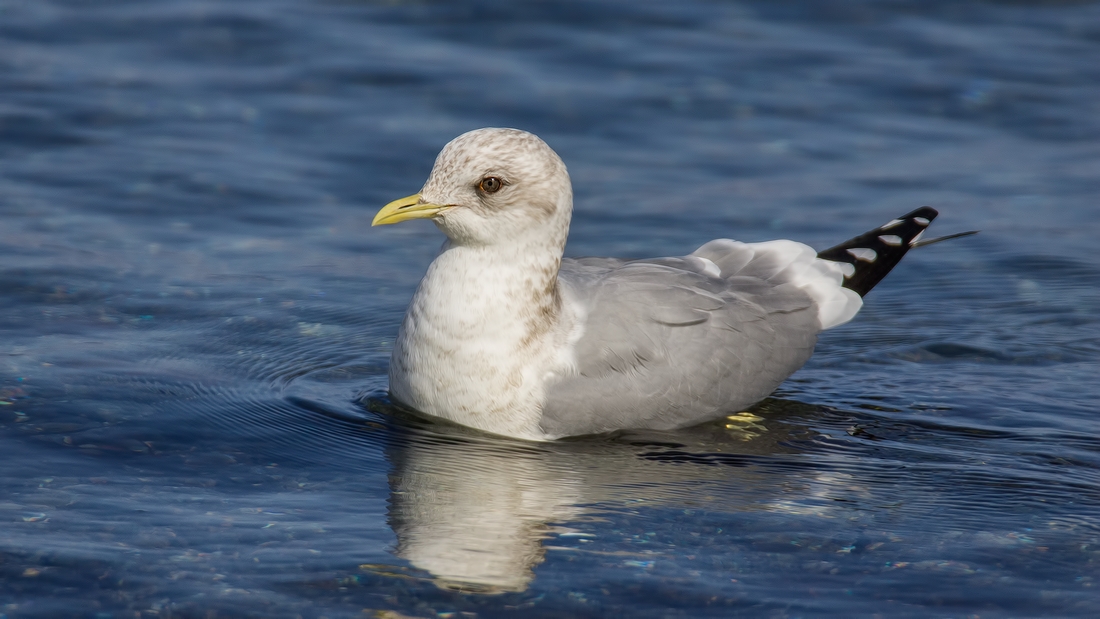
{"x":671,"y":342}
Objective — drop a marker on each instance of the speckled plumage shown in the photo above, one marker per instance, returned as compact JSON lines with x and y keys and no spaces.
{"x":504,"y":335}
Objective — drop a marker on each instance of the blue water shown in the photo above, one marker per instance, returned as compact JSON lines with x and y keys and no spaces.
{"x":196,"y":317}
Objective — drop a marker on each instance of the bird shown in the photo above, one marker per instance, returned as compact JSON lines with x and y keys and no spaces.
{"x":505,"y":335}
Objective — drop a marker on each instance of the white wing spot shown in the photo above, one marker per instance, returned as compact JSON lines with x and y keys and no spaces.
{"x":864,"y":254}
{"x":921,"y":221}
{"x":890,"y":239}
{"x":710,"y":268}
{"x":891,"y":224}
{"x":847,"y":268}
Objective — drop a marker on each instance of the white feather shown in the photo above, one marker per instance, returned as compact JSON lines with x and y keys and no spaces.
{"x":822,"y":279}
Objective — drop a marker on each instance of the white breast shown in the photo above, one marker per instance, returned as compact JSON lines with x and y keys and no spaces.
{"x":477,"y":351}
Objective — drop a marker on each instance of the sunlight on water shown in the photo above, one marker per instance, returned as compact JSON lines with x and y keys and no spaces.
{"x":197,"y":317}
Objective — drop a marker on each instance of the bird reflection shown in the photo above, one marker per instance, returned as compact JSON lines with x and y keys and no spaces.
{"x":474,"y":515}
{"x":477,"y":511}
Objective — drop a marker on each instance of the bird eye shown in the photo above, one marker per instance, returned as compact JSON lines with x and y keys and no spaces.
{"x":490,"y":184}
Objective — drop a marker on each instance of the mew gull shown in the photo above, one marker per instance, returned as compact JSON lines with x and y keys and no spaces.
{"x":505,"y":335}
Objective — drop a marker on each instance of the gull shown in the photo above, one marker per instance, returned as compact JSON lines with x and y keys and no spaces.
{"x":505,"y":335}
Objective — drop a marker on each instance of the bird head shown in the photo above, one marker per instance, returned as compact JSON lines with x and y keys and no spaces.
{"x":491,"y":186}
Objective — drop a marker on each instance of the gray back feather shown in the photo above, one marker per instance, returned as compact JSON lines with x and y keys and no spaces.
{"x":667,"y":344}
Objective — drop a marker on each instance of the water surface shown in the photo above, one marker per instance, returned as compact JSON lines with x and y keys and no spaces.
{"x":196,"y":318}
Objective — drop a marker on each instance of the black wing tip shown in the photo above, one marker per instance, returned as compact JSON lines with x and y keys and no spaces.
{"x":872,"y":255}
{"x":926,"y":212}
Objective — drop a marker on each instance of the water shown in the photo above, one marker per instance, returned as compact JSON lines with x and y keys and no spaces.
{"x":196,"y":317}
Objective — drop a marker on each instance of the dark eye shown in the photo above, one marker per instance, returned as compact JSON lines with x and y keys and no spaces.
{"x":490,"y":184}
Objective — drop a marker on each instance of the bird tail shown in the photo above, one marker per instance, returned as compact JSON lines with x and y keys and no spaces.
{"x":874,"y":254}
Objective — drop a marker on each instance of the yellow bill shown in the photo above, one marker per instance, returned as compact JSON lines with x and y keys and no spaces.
{"x":409,"y":207}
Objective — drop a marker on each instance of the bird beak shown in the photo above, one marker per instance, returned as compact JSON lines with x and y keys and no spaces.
{"x":409,"y":207}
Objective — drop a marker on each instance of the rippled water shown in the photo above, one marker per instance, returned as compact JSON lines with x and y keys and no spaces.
{"x":196,"y":318}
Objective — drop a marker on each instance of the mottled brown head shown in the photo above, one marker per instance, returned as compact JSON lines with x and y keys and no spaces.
{"x":491,"y":186}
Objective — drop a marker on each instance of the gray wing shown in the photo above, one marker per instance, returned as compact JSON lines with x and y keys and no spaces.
{"x":668,"y":343}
